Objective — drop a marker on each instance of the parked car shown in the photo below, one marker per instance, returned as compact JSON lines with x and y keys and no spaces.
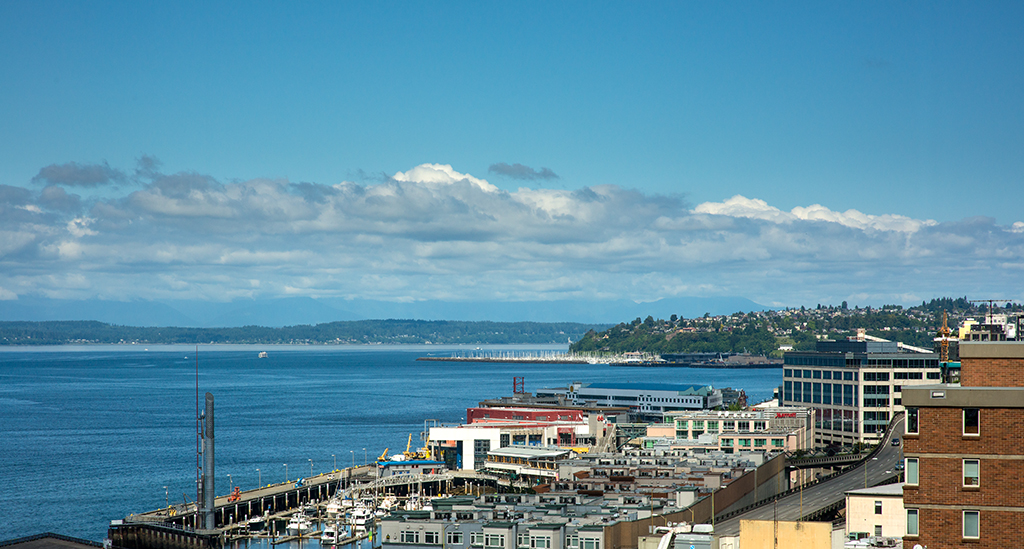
{"x":895,"y":442}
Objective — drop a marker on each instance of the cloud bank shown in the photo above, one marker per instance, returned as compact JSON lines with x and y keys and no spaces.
{"x":432,"y":232}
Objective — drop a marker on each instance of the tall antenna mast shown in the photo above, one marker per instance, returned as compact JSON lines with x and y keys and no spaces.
{"x":199,"y":446}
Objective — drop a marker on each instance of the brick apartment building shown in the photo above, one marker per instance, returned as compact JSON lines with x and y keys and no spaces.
{"x":964,"y":450}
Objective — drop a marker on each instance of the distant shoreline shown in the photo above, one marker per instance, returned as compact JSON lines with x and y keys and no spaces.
{"x":510,"y":360}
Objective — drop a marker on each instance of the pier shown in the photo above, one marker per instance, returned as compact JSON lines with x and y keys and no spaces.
{"x":173,"y":527}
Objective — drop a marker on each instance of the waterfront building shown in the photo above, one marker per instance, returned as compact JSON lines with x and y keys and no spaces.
{"x":409,"y":467}
{"x":963,"y":454}
{"x":643,"y":399}
{"x":539,"y":465}
{"x":467,"y":446}
{"x":766,"y":430}
{"x":854,"y":387}
{"x":501,"y":521}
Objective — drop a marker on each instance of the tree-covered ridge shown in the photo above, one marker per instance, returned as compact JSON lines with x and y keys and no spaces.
{"x":348,"y":332}
{"x":763,"y":332}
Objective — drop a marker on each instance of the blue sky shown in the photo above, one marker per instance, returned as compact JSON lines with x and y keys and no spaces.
{"x":512,"y":151}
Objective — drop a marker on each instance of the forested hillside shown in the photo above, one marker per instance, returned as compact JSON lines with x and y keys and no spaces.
{"x":763,"y":332}
{"x":350,"y":332}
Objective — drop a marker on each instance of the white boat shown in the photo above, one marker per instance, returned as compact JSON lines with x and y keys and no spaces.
{"x":263,"y":354}
{"x":333,"y":534}
{"x":299,"y":525}
{"x":361,"y":518}
{"x":333,"y":509}
{"x":257,"y":523}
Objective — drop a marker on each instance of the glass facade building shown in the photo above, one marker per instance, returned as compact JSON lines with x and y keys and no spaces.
{"x":854,"y":387}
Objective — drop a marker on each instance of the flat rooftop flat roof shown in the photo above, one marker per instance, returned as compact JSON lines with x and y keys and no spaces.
{"x":688,"y":389}
{"x":528,"y":451}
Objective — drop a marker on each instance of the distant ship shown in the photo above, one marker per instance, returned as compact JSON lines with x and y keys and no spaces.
{"x":263,"y":354}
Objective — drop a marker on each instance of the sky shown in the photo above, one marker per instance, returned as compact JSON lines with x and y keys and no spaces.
{"x":789,"y":153}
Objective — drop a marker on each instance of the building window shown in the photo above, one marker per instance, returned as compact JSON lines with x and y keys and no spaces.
{"x":912,"y":522}
{"x":454,"y":538}
{"x":878,"y":530}
{"x":572,"y":542}
{"x":729,"y":425}
{"x":744,"y":425}
{"x":744,"y":443}
{"x":878,"y":507}
{"x":431,"y":538}
{"x":588,"y":543}
{"x":409,"y":537}
{"x":712,"y":426}
{"x":777,"y":443}
{"x":522,"y":540}
{"x":972,"y":471}
{"x":759,"y":425}
{"x":912,"y":465}
{"x":760,"y":442}
{"x":911,"y":425}
{"x":540,"y":542}
{"x":971,"y":524}
{"x":494,"y":540}
{"x":971,"y":423}
{"x":727,"y":443}
{"x":476,"y":539}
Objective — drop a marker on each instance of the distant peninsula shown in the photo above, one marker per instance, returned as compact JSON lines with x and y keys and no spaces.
{"x":355,"y":332}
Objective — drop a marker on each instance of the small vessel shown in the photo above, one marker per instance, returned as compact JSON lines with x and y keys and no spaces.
{"x":361,"y":517}
{"x":256,"y":524}
{"x":263,"y":354}
{"x":333,"y":534}
{"x":299,"y":524}
{"x":333,"y":509}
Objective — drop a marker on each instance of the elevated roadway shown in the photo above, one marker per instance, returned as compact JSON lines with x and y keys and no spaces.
{"x":813,"y":500}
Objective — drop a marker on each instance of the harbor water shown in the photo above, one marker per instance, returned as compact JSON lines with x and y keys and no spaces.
{"x":95,"y":433}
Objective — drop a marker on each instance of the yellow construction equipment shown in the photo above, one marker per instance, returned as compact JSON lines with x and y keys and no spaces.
{"x":422,"y":453}
{"x":384,"y":456}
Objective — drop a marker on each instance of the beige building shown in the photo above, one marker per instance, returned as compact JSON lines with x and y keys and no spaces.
{"x":770,"y":429}
{"x":768,"y":534}
{"x":876,"y":511}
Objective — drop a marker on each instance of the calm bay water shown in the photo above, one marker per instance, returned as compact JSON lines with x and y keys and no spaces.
{"x":92,"y":434}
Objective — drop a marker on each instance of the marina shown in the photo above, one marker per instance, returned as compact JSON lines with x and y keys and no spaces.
{"x":121,"y":448}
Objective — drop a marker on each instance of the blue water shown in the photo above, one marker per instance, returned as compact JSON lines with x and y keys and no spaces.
{"x":92,"y":434}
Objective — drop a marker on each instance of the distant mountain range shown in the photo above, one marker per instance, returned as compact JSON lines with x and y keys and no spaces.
{"x":304,"y":310}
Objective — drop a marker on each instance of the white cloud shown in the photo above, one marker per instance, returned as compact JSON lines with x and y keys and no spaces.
{"x":439,"y":175}
{"x":741,"y":206}
{"x":432,"y":232}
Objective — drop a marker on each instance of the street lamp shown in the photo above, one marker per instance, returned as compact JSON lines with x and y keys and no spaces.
{"x":310,"y":467}
{"x":167,"y":498}
{"x":258,"y":472}
{"x":285,"y":471}
{"x":335,"y":461}
{"x":231,"y":484}
{"x":365,"y":461}
{"x":353,"y":452}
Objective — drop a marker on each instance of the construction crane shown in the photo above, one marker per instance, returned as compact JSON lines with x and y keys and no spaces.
{"x":384,"y":456}
{"x":422,"y":453}
{"x":943,"y":340}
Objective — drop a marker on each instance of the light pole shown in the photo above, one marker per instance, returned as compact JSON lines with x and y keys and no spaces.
{"x":353,"y":452}
{"x":167,"y":498}
{"x":364,"y":457}
{"x":231,"y":484}
{"x":335,"y":461}
{"x":285,"y":471}
{"x":310,"y":467}
{"x":258,"y":472}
